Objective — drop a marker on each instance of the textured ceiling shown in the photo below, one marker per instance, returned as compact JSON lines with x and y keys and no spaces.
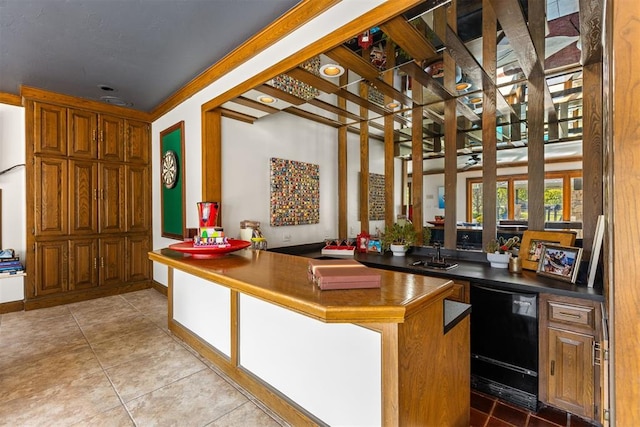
{"x":144,"y":49}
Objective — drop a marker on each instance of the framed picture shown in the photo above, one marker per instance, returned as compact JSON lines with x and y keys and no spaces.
{"x":375,"y":246}
{"x":533,"y":242}
{"x":172,"y":182}
{"x":441,"y":197}
{"x":560,"y":262}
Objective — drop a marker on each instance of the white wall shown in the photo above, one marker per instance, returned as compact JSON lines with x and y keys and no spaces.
{"x":190,"y":112}
{"x":13,"y":185}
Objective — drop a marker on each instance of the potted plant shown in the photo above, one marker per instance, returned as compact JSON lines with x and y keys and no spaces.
{"x":398,"y":238}
{"x":499,"y":251}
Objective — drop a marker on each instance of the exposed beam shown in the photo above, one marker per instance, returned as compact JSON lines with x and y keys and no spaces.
{"x":280,"y":94}
{"x":241,"y":100}
{"x":591,"y":31}
{"x":366,"y":70}
{"x":409,"y":38}
{"x":509,"y":14}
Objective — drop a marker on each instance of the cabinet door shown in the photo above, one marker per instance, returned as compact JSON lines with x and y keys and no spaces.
{"x":50,"y":206}
{"x":138,"y":198}
{"x":51,"y":267}
{"x":571,"y":370}
{"x":112,"y":198}
{"x":83,"y":134}
{"x":139,"y":265}
{"x":83,"y":264}
{"x":111,"y":144}
{"x":137,"y":142}
{"x":83,"y":192}
{"x":50,"y":129}
{"x":112,"y":261}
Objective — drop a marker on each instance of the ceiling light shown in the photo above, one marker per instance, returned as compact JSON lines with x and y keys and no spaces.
{"x":267,"y":99}
{"x":331,"y":70}
{"x":114,"y":100}
{"x":392,"y":105}
{"x":475,"y":100}
{"x":462,"y":86}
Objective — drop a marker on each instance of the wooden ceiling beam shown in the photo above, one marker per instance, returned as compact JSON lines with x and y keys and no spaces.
{"x":511,"y":18}
{"x":409,"y":38}
{"x":474,"y":70}
{"x":366,"y":70}
{"x":313,"y":80}
{"x":591,"y":31}
{"x":280,"y":94}
{"x":241,"y":100}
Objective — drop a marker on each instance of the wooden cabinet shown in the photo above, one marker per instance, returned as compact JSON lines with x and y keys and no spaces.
{"x":51,"y":267}
{"x":50,"y":129}
{"x":83,"y":188}
{"x":50,"y":196}
{"x":461,"y":289}
{"x":112,"y":198}
{"x":137,"y":141}
{"x":570,"y":335}
{"x":89,"y":188}
{"x":82,"y":134}
{"x":111,"y":138}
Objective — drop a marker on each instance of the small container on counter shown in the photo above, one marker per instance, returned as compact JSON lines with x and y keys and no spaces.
{"x":515,"y":265}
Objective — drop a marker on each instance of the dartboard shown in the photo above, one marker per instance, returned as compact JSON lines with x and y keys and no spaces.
{"x":170,"y":169}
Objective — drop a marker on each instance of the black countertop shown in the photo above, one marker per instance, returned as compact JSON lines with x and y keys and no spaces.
{"x":474,"y":269}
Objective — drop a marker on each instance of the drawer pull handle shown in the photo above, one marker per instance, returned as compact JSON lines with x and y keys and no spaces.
{"x":553,"y":367}
{"x":575,"y":316}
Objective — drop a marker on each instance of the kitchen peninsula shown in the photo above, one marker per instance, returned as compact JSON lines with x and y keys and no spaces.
{"x":397,"y":355}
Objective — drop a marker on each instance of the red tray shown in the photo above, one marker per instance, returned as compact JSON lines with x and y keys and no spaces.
{"x":204,"y":252}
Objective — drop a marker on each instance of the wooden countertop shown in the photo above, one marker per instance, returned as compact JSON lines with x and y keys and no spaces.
{"x":282,"y":279}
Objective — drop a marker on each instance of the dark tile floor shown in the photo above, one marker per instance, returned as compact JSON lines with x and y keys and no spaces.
{"x":488,"y":411}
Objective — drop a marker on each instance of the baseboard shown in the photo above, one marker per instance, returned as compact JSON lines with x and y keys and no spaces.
{"x":77,"y":296}
{"x":10,"y":307}
{"x":160,"y":288}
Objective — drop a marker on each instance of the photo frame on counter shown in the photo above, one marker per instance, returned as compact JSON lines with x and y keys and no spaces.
{"x":172,"y":182}
{"x":533,"y":242}
{"x":560,"y":262}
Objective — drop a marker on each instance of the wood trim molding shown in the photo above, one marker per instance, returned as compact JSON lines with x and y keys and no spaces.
{"x":86,"y":104}
{"x":10,"y":99}
{"x":303,"y":12}
{"x":10,"y":307}
{"x":374,"y":17}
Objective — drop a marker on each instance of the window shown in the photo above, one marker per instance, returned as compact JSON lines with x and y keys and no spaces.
{"x":562,"y":197}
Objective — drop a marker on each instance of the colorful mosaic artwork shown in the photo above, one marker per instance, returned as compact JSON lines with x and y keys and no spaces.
{"x":295,"y":193}
{"x":376,"y":197}
{"x":296,"y":87}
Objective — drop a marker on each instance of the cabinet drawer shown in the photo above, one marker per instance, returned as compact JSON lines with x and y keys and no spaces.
{"x":571,"y":314}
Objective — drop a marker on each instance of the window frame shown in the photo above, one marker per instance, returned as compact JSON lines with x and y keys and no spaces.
{"x":566,"y":177}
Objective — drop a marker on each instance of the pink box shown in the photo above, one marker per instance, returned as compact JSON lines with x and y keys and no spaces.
{"x":342,"y":277}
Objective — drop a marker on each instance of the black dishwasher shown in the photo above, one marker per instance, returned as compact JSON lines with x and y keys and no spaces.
{"x":504,"y":344}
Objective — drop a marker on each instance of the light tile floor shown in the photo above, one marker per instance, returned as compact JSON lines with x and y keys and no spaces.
{"x":112,"y":362}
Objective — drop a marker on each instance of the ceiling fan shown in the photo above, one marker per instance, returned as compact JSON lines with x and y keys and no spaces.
{"x":472,"y":161}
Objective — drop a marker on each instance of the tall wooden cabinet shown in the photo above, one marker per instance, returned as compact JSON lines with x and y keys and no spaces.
{"x":89,"y":199}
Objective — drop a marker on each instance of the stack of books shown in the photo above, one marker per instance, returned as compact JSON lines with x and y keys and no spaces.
{"x":9,"y":263}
